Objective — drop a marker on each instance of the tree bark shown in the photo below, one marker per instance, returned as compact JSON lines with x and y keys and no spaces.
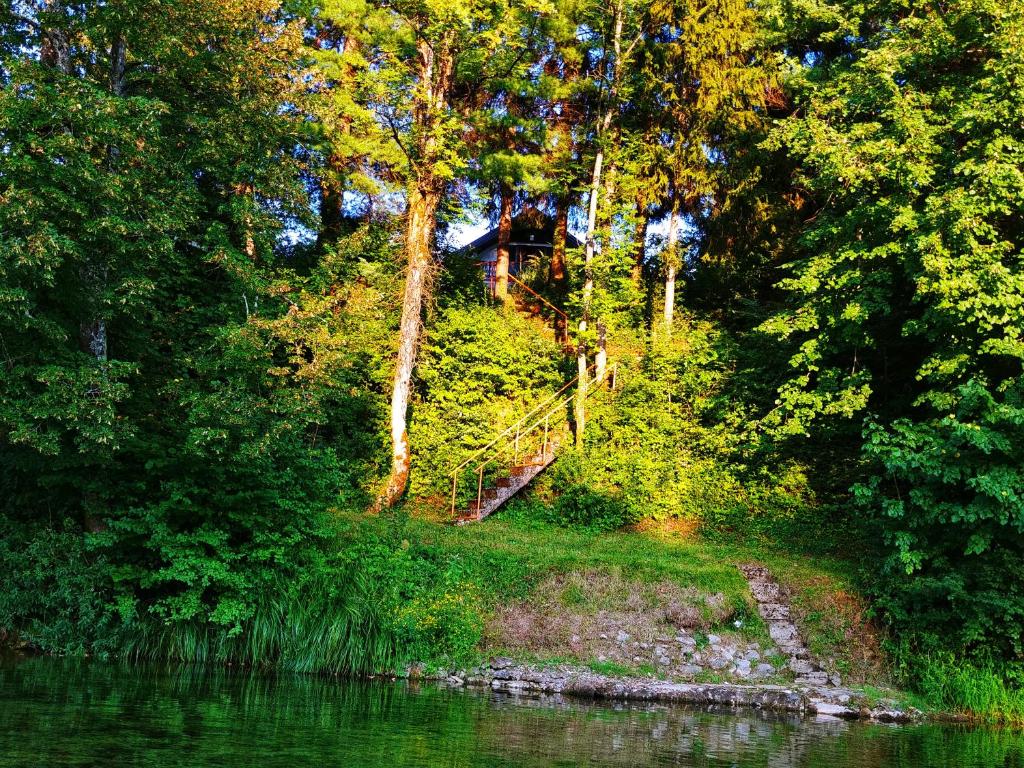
{"x":418,"y":236}
{"x":54,"y":47}
{"x":559,"y":273}
{"x":332,"y":198}
{"x":501,"y":263}
{"x":640,"y":242}
{"x":436,"y":72}
{"x":580,"y":409}
{"x":671,"y":266}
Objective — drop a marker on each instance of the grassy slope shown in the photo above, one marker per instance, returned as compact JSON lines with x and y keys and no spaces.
{"x":510,"y":560}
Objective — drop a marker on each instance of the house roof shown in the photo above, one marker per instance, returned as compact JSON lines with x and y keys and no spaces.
{"x":522,"y":233}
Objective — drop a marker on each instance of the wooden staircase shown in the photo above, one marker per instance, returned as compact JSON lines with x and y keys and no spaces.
{"x":506,"y":465}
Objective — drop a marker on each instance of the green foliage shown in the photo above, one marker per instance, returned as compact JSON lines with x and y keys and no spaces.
{"x":481,"y":369}
{"x":905,"y":305}
{"x":979,"y":691}
{"x":56,"y":594}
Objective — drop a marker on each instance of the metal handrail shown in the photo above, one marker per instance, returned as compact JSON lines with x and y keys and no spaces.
{"x":543,"y":404}
{"x":610,"y":374}
{"x":546,"y":302}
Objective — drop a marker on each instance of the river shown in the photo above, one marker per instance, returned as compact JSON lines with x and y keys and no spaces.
{"x":66,"y":713}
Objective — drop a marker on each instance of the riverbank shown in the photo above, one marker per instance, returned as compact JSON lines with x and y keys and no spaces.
{"x":641,"y":613}
{"x":504,"y":674}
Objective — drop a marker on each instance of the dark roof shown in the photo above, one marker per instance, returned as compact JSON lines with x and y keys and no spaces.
{"x":522,"y":233}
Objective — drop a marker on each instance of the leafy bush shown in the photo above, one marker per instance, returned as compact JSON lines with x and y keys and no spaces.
{"x":482,"y":368}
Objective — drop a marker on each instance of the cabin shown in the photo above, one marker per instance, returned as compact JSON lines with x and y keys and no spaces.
{"x":530,"y":245}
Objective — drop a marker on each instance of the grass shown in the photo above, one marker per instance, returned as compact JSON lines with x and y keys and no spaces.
{"x":976,"y":692}
{"x":320,"y":628}
{"x":510,"y":557}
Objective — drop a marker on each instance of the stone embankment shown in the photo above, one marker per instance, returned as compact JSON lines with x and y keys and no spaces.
{"x":680,"y":658}
{"x":502,"y":674}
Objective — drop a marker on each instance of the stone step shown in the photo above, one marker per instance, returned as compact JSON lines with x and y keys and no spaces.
{"x":813,"y":678}
{"x":765,"y":591}
{"x":783,"y":633}
{"x":773,"y":611}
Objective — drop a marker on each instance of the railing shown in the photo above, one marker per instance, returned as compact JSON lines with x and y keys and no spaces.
{"x":546,"y":303}
{"x":525,"y":432}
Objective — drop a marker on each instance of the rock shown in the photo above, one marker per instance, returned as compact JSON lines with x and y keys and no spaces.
{"x":718,"y":662}
{"x":455,"y":680}
{"x":602,"y":658}
{"x":604,"y":636}
{"x":574,"y":639}
{"x":764,"y":670}
{"x":742,"y":668}
{"x":774,"y":611}
{"x":690,"y":670}
{"x":800,"y":667}
{"x":752,"y":655}
{"x":833,"y":710}
{"x":622,"y":637}
{"x":714,"y":639}
{"x":501,"y":662}
{"x":782,"y":633}
{"x":765,"y":591}
{"x":812,"y":678}
{"x":686,"y":640}
{"x":835,"y":679}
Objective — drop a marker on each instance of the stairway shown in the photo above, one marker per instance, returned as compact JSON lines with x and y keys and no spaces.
{"x":518,"y":454}
{"x":518,"y":477}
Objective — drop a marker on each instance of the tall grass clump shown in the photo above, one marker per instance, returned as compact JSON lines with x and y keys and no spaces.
{"x":978,"y":691}
{"x":322,"y":626}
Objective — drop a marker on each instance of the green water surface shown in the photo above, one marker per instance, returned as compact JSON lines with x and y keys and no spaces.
{"x":64,"y":713}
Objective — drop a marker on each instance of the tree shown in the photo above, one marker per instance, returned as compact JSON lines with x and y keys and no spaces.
{"x":435,"y":56}
{"x":905,"y":301}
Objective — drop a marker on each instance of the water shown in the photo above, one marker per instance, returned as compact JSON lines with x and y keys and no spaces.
{"x":57,"y":713}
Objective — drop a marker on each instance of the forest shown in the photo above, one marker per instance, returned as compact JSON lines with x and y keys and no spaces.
{"x":243,"y":346}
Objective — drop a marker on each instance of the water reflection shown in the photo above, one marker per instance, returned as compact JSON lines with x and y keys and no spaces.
{"x":58,"y":713}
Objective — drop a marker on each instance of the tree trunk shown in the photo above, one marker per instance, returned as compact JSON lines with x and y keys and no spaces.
{"x":437,"y":67}
{"x":595,"y":180}
{"x":501,"y":263}
{"x":640,"y":243}
{"x":54,"y":47}
{"x":559,"y":272}
{"x":671,"y":266}
{"x":580,"y":411}
{"x":601,"y":357}
{"x":418,"y":236}
{"x":92,"y":330}
{"x":332,"y":198}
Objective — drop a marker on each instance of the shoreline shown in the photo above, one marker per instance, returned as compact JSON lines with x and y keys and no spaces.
{"x":843,"y":703}
{"x":507,"y":676}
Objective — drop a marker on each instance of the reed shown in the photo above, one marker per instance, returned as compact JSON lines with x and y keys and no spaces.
{"x":320,"y":628}
{"x":978,"y":691}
